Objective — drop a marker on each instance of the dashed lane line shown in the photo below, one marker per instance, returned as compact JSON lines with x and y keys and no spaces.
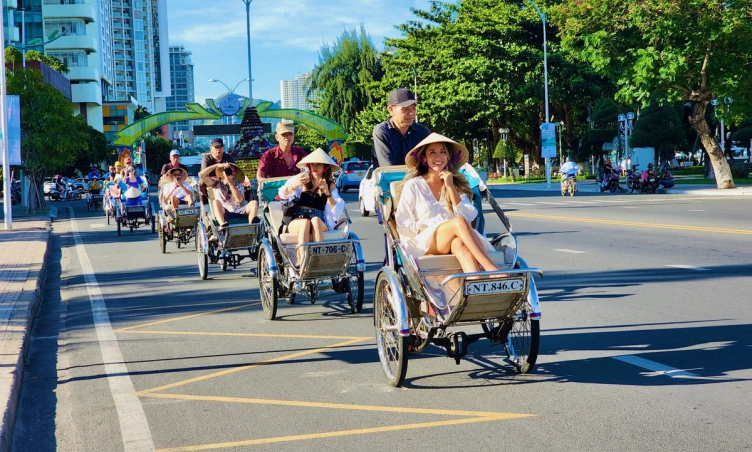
{"x":565,"y":250}
{"x":134,"y":429}
{"x":688,"y":267}
{"x":658,"y":368}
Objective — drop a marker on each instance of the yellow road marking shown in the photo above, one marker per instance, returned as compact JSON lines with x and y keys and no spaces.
{"x":333,"y":406}
{"x":634,"y":223}
{"x":360,"y":431}
{"x":144,"y":325}
{"x":238,"y":369}
{"x":193,"y":305}
{"x":282,"y":336}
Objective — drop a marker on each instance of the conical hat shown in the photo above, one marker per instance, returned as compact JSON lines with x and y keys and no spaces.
{"x":132,"y":192}
{"x":318,"y":156}
{"x":239,"y":174}
{"x":458,"y":153}
{"x":183,"y":172}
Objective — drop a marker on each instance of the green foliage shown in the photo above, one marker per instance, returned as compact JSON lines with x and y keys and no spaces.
{"x":92,"y":146}
{"x":658,"y":127}
{"x":507,"y":151}
{"x":52,"y":62}
{"x":359,"y":150}
{"x":740,"y":170}
{"x":309,"y":139}
{"x":157,"y":153}
{"x":692,"y":50}
{"x":744,"y":133}
{"x":12,"y":56}
{"x":604,"y":117}
{"x":337,"y":86}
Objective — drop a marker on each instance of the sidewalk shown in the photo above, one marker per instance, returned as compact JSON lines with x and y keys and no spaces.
{"x":590,"y":186}
{"x":23,"y":253}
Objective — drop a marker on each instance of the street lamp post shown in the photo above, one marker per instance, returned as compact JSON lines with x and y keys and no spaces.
{"x":626,"y":124}
{"x":504,"y":134}
{"x":248,"y":26}
{"x":7,"y":210}
{"x":545,"y":82}
{"x":560,"y":126}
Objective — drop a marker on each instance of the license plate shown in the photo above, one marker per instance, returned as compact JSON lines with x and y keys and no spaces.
{"x":359,"y":174}
{"x":188,"y":211}
{"x":501,"y":286}
{"x":320,"y":250}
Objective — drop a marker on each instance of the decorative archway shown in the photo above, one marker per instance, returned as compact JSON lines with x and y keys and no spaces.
{"x":333,"y":132}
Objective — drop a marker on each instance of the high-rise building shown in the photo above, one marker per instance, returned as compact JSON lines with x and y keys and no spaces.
{"x":293,"y":94}
{"x":139,"y":31}
{"x":181,"y":79}
{"x":86,"y":48}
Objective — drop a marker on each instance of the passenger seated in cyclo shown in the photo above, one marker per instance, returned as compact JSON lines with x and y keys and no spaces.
{"x":176,"y":191}
{"x":94,"y":187}
{"x":229,"y":199}
{"x":319,"y":205}
{"x":434,"y":211}
{"x":135,"y":192}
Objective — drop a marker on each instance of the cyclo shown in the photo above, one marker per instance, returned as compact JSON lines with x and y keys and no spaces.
{"x":413,"y":305}
{"x":334,"y":263}
{"x":133,"y":209}
{"x":228,"y":246}
{"x":177,"y":224}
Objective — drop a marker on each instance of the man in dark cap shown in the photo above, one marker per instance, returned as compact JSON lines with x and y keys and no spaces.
{"x":395,"y":137}
{"x":216,"y":154}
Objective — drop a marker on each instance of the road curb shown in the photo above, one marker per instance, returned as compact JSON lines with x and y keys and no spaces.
{"x":16,"y":343}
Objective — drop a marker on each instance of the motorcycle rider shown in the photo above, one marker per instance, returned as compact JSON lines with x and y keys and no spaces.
{"x":61,"y":187}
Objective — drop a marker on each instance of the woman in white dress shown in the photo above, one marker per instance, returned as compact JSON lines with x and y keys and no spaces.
{"x":434,"y":211}
{"x":319,"y":204}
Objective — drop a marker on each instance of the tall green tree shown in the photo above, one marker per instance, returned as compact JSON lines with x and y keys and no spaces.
{"x":603,"y":117}
{"x":50,"y":138}
{"x":157,"y":153}
{"x":693,"y":50}
{"x":337,"y":85}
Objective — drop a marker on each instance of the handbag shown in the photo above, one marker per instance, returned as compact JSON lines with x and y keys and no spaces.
{"x":289,"y":208}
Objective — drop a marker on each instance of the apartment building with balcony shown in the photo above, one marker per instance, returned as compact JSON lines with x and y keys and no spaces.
{"x":292,"y":93}
{"x":141,"y":53}
{"x":181,"y":79}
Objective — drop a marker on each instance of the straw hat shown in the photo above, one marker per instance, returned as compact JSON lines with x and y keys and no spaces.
{"x":458,"y":153}
{"x":239,"y":174}
{"x":183,"y":173}
{"x":132,"y":192}
{"x":318,"y":156}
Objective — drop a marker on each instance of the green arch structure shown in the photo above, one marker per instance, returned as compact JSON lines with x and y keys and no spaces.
{"x":131,"y":133}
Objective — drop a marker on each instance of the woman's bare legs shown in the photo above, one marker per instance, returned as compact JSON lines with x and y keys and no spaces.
{"x":318,"y":229}
{"x":302,"y":227}
{"x":463,"y":254}
{"x":459,"y":228}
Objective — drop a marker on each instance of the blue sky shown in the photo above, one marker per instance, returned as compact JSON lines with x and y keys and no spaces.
{"x":286,"y":36}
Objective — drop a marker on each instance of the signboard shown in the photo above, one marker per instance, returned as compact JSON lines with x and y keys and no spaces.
{"x":123,"y":153}
{"x":218,"y":130}
{"x":548,"y":140}
{"x":13,"y":112}
{"x":527,"y":166}
{"x":335,"y":151}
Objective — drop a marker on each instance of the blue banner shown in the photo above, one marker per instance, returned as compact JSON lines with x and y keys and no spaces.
{"x":13,"y":115}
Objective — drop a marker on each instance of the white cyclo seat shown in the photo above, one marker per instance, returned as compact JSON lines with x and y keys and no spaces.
{"x":450,"y":263}
{"x":275,"y":217}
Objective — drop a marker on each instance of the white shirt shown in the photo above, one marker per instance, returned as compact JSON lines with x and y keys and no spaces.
{"x":180,"y":194}
{"x":569,"y":168}
{"x":419,"y":208}
{"x":331,"y":214}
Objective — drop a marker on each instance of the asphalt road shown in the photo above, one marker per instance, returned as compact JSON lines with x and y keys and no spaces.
{"x":645,"y":344}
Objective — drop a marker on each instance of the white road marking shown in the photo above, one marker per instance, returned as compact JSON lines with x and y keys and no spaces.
{"x":98,"y":226}
{"x":688,"y":267}
{"x":564,"y":250}
{"x":518,"y":204}
{"x":581,"y":202}
{"x":697,"y":210}
{"x":658,"y":368}
{"x":549,"y":203}
{"x":134,"y":428}
{"x":628,"y":207}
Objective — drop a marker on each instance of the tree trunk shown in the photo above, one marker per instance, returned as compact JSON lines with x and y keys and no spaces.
{"x":721,"y":167}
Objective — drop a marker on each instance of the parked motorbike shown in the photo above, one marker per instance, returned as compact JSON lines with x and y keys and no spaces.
{"x":69,"y":193}
{"x":15,"y":192}
{"x":648,"y":181}
{"x":633,"y":178}
{"x":610,"y":182}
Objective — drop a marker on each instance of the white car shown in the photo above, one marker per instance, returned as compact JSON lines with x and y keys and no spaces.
{"x":367,"y":194}
{"x":353,"y":172}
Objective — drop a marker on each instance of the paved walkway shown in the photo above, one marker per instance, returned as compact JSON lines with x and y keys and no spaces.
{"x":590,"y":186}
{"x":23,"y":253}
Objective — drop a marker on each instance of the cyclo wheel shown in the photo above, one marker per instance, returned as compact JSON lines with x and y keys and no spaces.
{"x":203,"y":259}
{"x":162,"y":240}
{"x":523,"y":340}
{"x":267,"y":286}
{"x":223,"y":264}
{"x":355,"y":287}
{"x":392,"y":347}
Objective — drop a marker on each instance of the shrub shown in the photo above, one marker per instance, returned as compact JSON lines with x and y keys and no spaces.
{"x":740,"y":170}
